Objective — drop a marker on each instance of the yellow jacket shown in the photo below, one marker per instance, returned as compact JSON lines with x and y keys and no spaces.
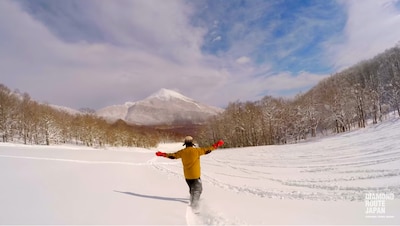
{"x":191,"y":160}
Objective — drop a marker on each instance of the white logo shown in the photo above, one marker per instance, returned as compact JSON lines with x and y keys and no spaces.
{"x":375,"y":204}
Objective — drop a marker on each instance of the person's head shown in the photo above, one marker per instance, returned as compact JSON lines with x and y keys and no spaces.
{"x":188,"y":141}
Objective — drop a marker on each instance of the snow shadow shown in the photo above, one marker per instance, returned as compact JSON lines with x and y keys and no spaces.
{"x":183,"y":200}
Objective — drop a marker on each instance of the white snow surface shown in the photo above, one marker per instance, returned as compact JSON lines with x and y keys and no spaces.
{"x":324,"y":181}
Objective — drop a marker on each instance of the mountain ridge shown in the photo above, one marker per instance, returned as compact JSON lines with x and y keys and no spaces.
{"x":164,"y":107}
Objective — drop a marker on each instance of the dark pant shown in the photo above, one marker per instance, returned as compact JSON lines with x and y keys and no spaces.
{"x":195,"y":189}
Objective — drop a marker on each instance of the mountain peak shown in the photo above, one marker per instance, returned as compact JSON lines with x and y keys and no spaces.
{"x":164,"y":107}
{"x":167,"y":94}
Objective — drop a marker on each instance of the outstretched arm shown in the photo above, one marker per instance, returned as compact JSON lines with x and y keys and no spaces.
{"x":205,"y":151}
{"x":175,"y":155}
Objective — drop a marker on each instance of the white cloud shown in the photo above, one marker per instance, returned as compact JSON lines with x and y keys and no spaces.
{"x":243,"y":60}
{"x":287,"y":81}
{"x":82,"y":74}
{"x":146,"y":46}
{"x":248,"y":82}
{"x":218,"y":38}
{"x":155,"y":48}
{"x":371,"y":27}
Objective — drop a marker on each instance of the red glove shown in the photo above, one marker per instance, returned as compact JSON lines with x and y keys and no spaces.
{"x":162,"y":154}
{"x":218,"y":144}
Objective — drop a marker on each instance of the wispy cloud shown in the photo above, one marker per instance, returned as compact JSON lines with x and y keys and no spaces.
{"x":94,"y":53}
{"x":371,"y":27}
{"x":145,"y":49}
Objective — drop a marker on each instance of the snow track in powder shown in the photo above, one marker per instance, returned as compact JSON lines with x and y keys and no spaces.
{"x":320,"y":182}
{"x":206,"y":215}
{"x":79,"y":161}
{"x":343,"y":167}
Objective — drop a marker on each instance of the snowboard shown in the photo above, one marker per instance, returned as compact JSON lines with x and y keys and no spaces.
{"x":195,"y":206}
{"x":194,"y":215}
{"x":203,"y":215}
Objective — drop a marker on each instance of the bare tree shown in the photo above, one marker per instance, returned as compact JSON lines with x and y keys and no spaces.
{"x":8,"y":103}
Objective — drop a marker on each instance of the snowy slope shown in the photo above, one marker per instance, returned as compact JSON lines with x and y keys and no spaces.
{"x":114,"y":112}
{"x":66,"y":109}
{"x":163,"y":107}
{"x":324,"y":181}
{"x":167,"y":94}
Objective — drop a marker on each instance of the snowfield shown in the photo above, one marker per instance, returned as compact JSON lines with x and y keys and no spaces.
{"x":351,"y":178}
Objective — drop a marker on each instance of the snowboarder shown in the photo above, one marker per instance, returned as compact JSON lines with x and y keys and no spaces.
{"x":191,"y":166}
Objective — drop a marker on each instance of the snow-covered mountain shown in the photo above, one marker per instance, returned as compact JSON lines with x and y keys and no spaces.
{"x":165,"y":107}
{"x":114,"y":112}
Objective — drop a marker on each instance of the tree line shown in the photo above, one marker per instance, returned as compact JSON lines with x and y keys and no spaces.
{"x":368,"y":90}
{"x":25,"y":120}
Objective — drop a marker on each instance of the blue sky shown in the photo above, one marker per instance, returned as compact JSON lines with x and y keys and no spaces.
{"x":96,"y":53}
{"x":291,"y":32}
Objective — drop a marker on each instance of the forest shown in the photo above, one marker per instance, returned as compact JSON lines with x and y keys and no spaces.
{"x":369,"y":90}
{"x":25,"y":120}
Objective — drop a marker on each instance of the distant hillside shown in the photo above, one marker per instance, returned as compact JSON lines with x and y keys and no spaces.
{"x":165,"y":107}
